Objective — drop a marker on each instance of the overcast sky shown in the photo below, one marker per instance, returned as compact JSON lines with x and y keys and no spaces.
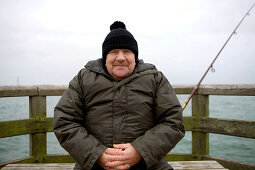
{"x":48,"y":42}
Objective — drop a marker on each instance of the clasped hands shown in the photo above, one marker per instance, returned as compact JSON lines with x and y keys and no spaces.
{"x":121,"y":156}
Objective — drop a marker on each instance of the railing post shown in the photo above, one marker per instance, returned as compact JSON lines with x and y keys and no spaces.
{"x":37,"y":109}
{"x":200,"y":140}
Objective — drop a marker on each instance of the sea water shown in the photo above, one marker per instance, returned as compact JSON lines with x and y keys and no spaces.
{"x":228,"y":147}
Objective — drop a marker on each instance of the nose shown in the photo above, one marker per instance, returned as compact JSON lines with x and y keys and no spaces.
{"x":120,"y":57}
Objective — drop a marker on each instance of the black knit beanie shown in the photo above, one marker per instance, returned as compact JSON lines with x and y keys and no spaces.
{"x":119,"y":38}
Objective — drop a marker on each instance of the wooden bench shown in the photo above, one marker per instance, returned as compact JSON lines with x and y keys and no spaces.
{"x":189,"y":165}
{"x":198,"y":165}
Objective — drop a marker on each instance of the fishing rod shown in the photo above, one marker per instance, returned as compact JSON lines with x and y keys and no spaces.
{"x":211,"y":65}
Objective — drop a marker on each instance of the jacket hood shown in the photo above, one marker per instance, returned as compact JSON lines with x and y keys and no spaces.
{"x":98,"y":67}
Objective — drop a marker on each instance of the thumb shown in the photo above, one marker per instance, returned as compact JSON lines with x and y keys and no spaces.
{"x":121,"y":146}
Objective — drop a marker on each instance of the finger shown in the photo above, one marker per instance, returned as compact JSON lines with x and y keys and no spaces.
{"x":121,"y":146}
{"x":114,"y":164}
{"x":108,"y":168}
{"x":114,"y":151}
{"x":111,"y":158}
{"x":126,"y":166}
{"x":118,"y":165}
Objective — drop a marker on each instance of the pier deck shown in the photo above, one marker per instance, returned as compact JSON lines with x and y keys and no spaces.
{"x":179,"y":165}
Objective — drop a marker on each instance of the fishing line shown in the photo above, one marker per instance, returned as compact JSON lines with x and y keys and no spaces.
{"x":211,"y":65}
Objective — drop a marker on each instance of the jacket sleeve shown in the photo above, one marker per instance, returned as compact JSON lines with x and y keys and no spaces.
{"x":69,"y":129}
{"x":169,"y":126}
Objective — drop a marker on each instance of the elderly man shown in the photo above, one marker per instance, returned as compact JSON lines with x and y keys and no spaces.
{"x":119,"y":112}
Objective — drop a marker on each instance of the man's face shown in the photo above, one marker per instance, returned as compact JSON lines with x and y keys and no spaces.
{"x":120,"y":63}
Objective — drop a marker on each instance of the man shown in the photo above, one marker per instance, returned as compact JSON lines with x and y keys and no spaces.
{"x":119,"y":112}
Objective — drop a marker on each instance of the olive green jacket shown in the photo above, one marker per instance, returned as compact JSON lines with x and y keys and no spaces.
{"x":97,"y":111}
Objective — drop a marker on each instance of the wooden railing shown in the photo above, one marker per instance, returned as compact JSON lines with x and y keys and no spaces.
{"x":199,"y":123}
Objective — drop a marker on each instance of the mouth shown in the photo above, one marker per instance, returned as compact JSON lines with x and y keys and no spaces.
{"x":120,"y":65}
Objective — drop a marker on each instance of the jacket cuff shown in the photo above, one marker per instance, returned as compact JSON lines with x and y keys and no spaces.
{"x":144,"y":153}
{"x":100,"y":149}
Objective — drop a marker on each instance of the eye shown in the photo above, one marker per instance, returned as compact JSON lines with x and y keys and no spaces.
{"x":127,"y":51}
{"x":113,"y":52}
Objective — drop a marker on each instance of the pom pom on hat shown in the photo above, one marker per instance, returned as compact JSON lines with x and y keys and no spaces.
{"x":119,"y":38}
{"x":117,"y":24}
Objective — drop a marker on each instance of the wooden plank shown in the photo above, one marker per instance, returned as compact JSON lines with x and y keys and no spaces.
{"x":183,"y":89}
{"x":182,"y":157}
{"x":192,"y":123}
{"x":229,"y":163}
{"x":69,"y":165}
{"x":195,"y":168}
{"x":200,"y":105}
{"x":17,"y":91}
{"x":230,"y":127}
{"x":190,"y":165}
{"x":196,"y":165}
{"x":51,"y":90}
{"x":48,"y":90}
{"x":58,"y":158}
{"x":200,"y":140}
{"x":51,"y":166}
{"x":236,"y":90}
{"x":18,"y":161}
{"x":37,"y":109}
{"x":25,"y":126}
{"x":50,"y":158}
